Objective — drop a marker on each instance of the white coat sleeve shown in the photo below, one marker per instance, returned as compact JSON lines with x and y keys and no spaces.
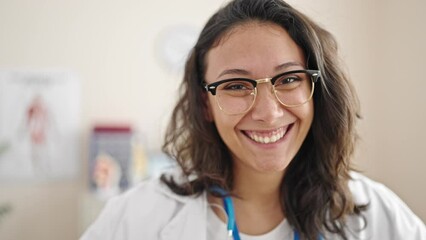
{"x":404,"y":224}
{"x":388,"y":217}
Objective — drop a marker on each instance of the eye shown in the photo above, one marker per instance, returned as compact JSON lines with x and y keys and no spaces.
{"x":289,"y":81}
{"x":236,"y":86}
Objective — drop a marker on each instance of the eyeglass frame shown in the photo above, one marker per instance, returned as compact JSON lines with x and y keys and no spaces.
{"x":314,"y":74}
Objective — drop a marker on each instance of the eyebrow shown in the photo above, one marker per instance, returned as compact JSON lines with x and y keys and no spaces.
{"x":287,"y":65}
{"x":234,"y":71}
{"x":238,"y":71}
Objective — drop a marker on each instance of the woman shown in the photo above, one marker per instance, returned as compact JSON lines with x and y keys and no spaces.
{"x":263,"y":133}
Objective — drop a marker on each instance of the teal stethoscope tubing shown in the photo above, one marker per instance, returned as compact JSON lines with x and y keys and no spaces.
{"x":232,"y":223}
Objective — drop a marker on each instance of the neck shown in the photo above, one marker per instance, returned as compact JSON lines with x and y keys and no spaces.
{"x":252,"y":186}
{"x":257,"y":203}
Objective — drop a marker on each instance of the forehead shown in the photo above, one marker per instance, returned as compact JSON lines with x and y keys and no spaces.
{"x":255,"y":47}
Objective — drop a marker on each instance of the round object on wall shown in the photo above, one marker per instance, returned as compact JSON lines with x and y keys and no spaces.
{"x":174,"y":44}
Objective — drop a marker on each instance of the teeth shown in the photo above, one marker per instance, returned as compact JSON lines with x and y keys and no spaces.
{"x":271,"y":138}
{"x":267,"y":140}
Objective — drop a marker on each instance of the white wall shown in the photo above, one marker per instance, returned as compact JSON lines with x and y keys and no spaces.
{"x":398,"y":112}
{"x":112,"y":46}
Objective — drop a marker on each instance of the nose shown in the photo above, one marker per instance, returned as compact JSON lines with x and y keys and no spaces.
{"x":266,"y":108}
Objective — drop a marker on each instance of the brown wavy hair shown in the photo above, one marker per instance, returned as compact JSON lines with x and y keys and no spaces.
{"x":314,"y":191}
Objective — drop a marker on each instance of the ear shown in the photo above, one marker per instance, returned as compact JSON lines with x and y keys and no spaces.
{"x":208,"y":114}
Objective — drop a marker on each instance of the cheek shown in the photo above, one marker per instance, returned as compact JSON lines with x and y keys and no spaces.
{"x":225,"y":124}
{"x":305,"y":114}
{"x":216,"y":114}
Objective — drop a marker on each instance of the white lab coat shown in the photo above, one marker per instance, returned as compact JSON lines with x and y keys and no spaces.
{"x":151,"y":211}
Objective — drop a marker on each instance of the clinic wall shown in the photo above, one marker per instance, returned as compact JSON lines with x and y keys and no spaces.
{"x":399,"y":116}
{"x":112,"y":46}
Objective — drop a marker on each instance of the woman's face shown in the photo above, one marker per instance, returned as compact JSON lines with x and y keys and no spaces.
{"x":259,"y":50}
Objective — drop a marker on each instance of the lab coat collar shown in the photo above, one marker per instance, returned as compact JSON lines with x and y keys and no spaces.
{"x":190,"y":216}
{"x":179,"y":178}
{"x":189,"y":220}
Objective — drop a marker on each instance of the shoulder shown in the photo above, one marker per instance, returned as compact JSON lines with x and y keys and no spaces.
{"x":386,"y":213}
{"x":365,"y":189}
{"x":144,"y":210}
{"x":150,"y":192}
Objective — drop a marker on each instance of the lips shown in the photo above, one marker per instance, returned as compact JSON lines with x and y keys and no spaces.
{"x":267,"y":137}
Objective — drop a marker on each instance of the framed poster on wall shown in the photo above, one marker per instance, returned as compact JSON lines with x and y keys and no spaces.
{"x":39,"y":125}
{"x":110,"y":160}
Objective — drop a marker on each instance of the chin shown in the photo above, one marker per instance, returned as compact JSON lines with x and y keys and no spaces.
{"x":271,"y":166}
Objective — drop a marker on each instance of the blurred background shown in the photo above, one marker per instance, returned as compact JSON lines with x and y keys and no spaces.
{"x":120,"y":63}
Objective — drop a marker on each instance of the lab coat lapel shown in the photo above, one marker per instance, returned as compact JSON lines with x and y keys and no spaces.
{"x":189,"y":223}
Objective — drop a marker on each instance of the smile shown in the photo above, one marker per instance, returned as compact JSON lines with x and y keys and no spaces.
{"x":267,"y":137}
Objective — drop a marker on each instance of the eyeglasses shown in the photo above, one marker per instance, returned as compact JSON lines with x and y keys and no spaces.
{"x":237,"y":95}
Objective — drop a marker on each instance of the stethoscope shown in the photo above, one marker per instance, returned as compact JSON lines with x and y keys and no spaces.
{"x":232,"y":227}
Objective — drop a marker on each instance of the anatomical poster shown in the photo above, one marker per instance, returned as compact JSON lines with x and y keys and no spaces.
{"x":39,"y":125}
